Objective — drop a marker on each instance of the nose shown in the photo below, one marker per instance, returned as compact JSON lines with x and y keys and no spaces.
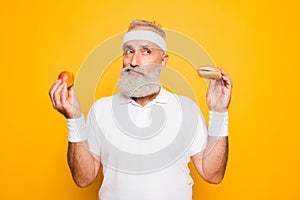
{"x":135,"y":59}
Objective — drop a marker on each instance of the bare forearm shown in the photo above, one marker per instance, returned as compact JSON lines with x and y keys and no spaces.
{"x":81,"y":163}
{"x":215,"y":159}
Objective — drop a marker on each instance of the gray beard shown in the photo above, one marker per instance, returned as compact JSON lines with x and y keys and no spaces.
{"x":132,"y":85}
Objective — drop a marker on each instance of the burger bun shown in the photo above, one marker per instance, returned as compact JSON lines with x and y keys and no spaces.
{"x":209,"y":72}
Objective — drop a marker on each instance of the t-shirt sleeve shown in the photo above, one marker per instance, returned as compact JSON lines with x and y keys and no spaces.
{"x":200,"y":140}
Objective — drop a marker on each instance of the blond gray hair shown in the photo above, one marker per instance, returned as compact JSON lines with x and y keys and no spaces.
{"x":145,"y":23}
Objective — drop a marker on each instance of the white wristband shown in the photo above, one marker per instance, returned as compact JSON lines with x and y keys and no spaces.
{"x":218,"y":124}
{"x":76,"y":129}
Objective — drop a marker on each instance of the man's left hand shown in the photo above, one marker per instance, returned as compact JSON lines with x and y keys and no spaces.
{"x":219,"y":93}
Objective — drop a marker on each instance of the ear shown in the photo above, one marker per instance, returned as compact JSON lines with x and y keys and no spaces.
{"x":165,"y":59}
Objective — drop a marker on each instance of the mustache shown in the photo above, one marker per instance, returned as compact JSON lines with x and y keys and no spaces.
{"x":129,"y":68}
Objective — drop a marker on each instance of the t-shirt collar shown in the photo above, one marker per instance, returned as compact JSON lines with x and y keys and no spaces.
{"x":162,"y":98}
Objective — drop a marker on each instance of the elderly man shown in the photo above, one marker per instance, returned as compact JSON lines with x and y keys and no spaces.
{"x":119,"y":132}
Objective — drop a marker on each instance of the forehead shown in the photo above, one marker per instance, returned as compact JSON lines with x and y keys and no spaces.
{"x":135,"y":44}
{"x":147,"y":28}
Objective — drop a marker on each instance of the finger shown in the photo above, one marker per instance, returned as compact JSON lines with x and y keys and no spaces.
{"x":226,"y":78}
{"x":55,"y":85}
{"x":227,"y":87}
{"x":64,"y":92}
{"x":71,"y":96}
{"x":211,"y":85}
{"x":223,"y":72}
{"x":71,"y":92}
{"x":53,"y":88}
{"x":212,"y":82}
{"x":227,"y":81}
{"x":57,"y":96}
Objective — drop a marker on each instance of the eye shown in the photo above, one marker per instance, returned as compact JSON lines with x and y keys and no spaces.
{"x":128,"y":51}
{"x":147,"y":51}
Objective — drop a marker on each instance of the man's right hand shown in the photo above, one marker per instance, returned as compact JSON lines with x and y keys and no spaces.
{"x":64,"y":100}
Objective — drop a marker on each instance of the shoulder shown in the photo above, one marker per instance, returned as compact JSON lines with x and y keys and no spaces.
{"x":102,"y":100}
{"x":185,"y":101}
{"x":108,"y":100}
{"x":106,"y":103}
{"x":102,"y":109}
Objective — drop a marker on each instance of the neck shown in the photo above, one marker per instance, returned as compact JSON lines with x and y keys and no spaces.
{"x":144,"y":100}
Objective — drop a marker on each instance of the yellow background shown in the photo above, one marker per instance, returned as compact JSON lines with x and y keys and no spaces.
{"x":256,"y":42}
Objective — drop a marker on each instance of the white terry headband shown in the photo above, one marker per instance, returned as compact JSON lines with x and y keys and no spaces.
{"x":145,"y":35}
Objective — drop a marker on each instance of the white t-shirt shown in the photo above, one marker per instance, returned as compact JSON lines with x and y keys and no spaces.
{"x":145,"y":151}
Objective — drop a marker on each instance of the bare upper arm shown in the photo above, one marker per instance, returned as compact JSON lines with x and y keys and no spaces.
{"x":97,"y":164}
{"x":198,"y":163}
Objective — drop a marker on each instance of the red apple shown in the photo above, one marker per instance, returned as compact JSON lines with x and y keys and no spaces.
{"x":66,"y":77}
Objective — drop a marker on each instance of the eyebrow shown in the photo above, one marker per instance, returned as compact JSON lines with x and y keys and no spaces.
{"x":140,"y":46}
{"x":145,"y":46}
{"x":128,"y":47}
